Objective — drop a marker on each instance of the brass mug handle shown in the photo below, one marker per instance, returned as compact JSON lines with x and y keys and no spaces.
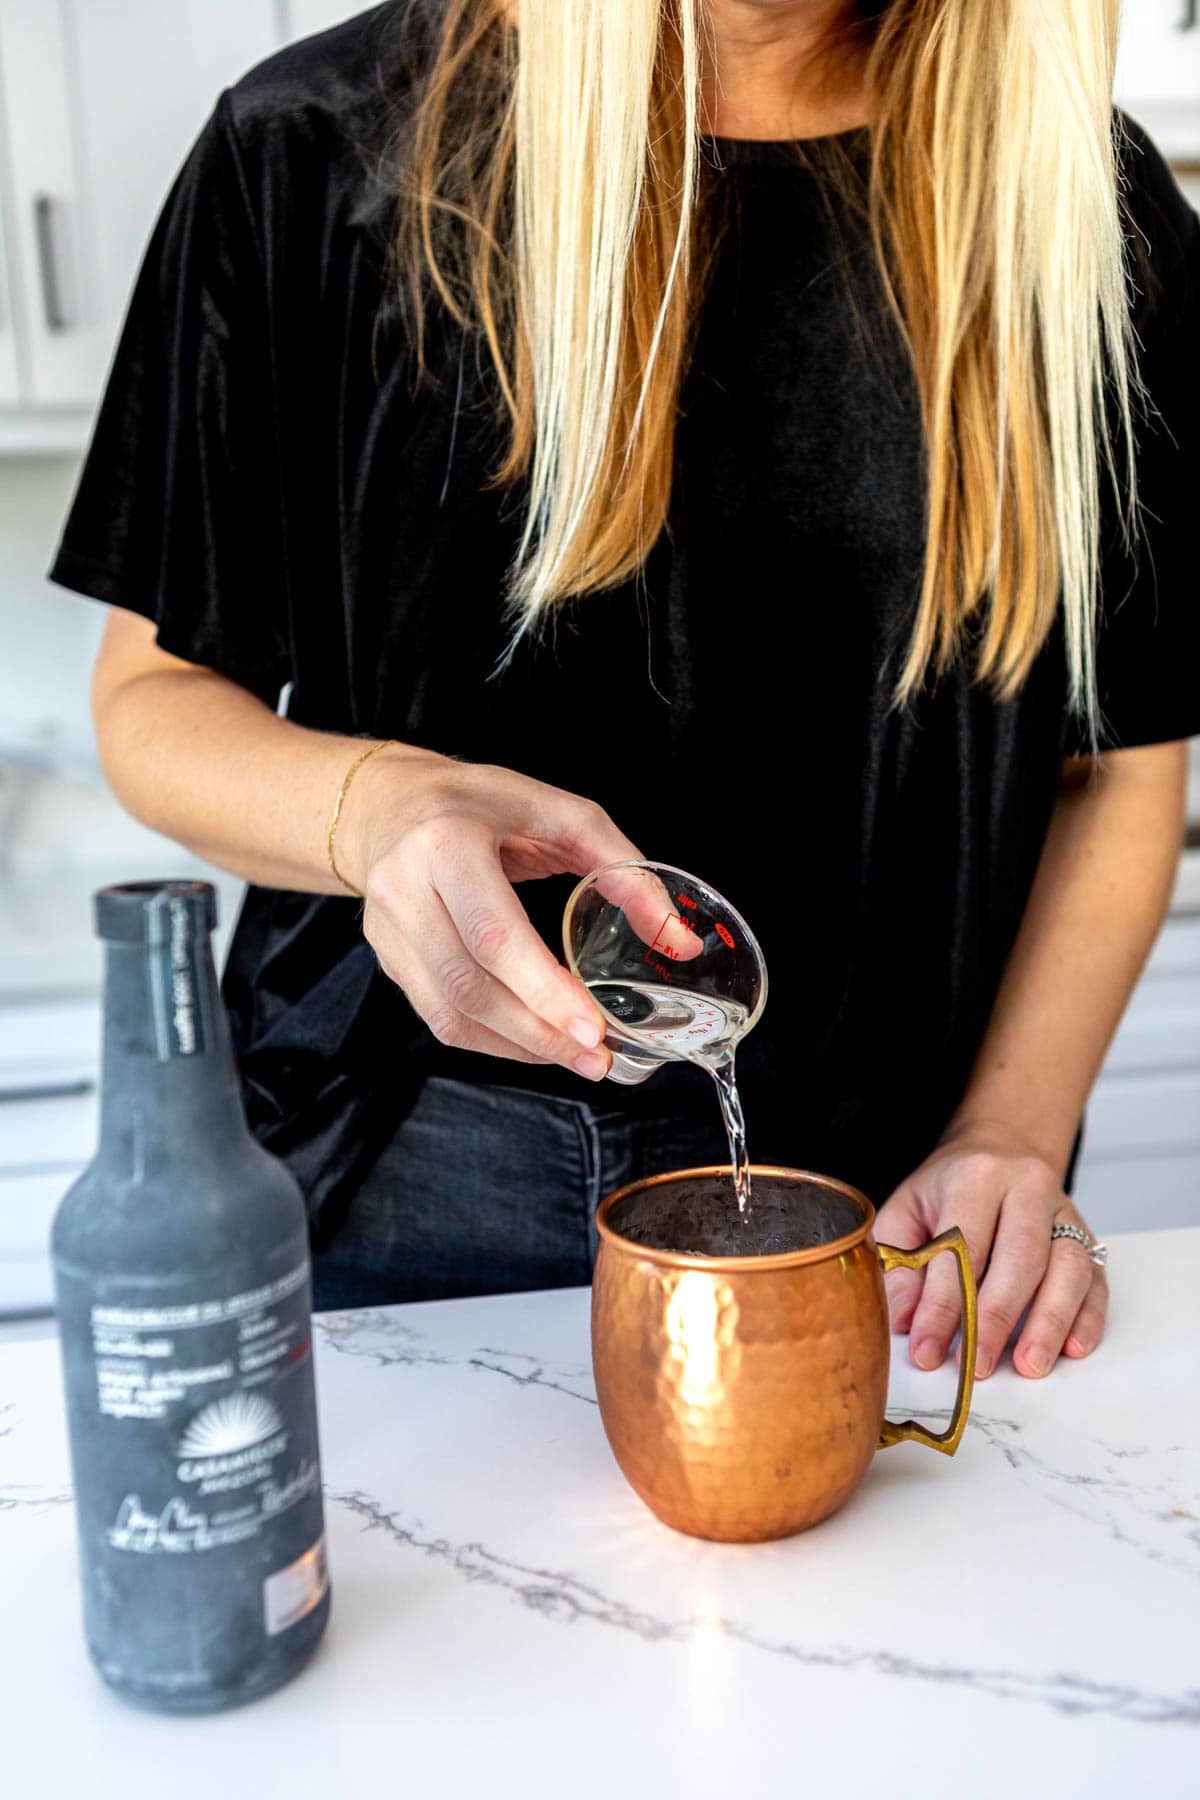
{"x":953,"y":1240}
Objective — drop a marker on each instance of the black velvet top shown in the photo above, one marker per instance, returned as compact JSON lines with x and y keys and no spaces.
{"x":267,"y":484}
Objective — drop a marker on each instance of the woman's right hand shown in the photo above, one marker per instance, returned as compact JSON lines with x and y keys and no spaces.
{"x":435,"y":846}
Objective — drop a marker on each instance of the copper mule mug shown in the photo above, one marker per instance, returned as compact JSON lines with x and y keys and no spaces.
{"x":743,"y":1395}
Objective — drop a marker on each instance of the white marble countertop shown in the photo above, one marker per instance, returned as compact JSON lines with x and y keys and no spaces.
{"x":509,"y":1621}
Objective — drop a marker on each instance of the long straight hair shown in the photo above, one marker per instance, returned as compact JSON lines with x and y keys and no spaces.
{"x":550,"y":200}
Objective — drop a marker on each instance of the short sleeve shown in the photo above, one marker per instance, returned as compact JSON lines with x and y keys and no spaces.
{"x":178,"y":510}
{"x":1148,"y":639}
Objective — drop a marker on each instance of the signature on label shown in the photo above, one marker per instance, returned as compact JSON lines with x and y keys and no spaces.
{"x":180,"y":1528}
{"x":175,"y":1528}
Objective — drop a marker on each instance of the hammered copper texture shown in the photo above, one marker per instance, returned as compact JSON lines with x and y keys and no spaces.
{"x":742,"y":1402}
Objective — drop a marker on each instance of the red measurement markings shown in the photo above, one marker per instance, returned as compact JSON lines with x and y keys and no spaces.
{"x":661,"y":929}
{"x":684,"y":901}
{"x":664,"y":949}
{"x":723,"y":932}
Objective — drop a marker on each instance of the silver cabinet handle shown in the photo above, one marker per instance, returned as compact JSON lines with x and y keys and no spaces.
{"x":46,"y":217}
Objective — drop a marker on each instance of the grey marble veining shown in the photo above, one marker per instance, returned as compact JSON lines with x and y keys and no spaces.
{"x":560,"y":1597}
{"x":1132,"y":1512}
{"x":380,"y":1336}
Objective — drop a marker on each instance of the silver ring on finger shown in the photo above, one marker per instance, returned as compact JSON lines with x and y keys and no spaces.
{"x":1097,"y":1253}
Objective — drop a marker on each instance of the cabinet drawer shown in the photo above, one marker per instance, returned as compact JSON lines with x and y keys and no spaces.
{"x":1161,"y":1028}
{"x":49,"y":1046}
{"x":1149,"y":1114}
{"x":27,"y":1207}
{"x":1139,"y":1193}
{"x":1177,"y":951}
{"x":48,"y":1134}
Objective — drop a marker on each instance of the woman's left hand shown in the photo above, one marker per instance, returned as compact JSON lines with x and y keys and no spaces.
{"x":1005,"y":1198}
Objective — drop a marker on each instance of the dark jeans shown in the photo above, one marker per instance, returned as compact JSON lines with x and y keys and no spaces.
{"x":487,"y":1190}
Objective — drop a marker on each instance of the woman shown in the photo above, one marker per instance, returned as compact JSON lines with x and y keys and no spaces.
{"x":706,"y":431}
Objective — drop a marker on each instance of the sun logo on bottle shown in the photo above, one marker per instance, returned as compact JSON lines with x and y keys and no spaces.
{"x":235,"y":1422}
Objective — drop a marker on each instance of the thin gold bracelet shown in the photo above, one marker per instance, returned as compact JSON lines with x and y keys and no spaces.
{"x":351,"y":772}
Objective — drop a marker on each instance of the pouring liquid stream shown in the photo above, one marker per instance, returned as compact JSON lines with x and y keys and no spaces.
{"x":678,"y":1026}
{"x":725,"y":1076}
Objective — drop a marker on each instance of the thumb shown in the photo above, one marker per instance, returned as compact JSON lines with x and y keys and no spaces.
{"x":898,"y":1222}
{"x":594,"y":844}
{"x":658,"y":916}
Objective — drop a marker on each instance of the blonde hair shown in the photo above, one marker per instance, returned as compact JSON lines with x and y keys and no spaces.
{"x":565,"y":160}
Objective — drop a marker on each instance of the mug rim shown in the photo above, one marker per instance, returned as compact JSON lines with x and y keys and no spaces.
{"x":743,"y":1265}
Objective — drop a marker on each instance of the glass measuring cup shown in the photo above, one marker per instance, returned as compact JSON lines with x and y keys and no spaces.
{"x":673,"y":967}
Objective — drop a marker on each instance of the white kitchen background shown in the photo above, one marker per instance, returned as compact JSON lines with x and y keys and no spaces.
{"x":99,"y":100}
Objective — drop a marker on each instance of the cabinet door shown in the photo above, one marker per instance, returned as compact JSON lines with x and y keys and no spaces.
{"x":303,"y":17}
{"x":10,"y":377}
{"x":56,"y":302}
{"x":1158,"y":72}
{"x":147,"y":76}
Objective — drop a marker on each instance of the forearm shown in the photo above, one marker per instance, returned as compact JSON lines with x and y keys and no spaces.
{"x":1101,"y":891}
{"x":434,"y":844}
{"x":200,"y":759}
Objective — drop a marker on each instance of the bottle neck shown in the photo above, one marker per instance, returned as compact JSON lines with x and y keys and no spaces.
{"x":168,"y":1073}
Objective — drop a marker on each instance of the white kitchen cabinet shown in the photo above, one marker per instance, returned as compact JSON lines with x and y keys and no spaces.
{"x":47,"y":1047}
{"x":99,"y":101}
{"x":57,"y":316}
{"x":148,"y":76}
{"x":49,"y":1108}
{"x":1158,"y":72}
{"x":56,"y":1130}
{"x":10,"y":374}
{"x":1141,"y":1155}
{"x":27,"y":1207}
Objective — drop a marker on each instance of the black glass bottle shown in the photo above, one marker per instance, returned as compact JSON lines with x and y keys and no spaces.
{"x":184,"y":1307}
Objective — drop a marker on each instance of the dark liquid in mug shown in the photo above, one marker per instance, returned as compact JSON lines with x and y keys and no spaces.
{"x":694,"y":1217}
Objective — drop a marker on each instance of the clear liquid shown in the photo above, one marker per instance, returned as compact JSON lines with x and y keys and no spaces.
{"x":687,"y":1027}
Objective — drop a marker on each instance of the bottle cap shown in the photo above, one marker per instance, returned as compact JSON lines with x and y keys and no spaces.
{"x":154,"y":912}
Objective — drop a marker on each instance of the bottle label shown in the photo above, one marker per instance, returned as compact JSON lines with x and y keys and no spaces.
{"x":178,"y":986}
{"x":213,"y":1384}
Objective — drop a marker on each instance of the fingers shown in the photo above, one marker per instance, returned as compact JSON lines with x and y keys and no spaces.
{"x":1090,"y":1320}
{"x":464,"y":1003}
{"x":1019,"y":1262}
{"x":939,"y":1310}
{"x":494,"y":930}
{"x":904,"y":1290}
{"x":1072,"y":1298}
{"x":899,"y":1222}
